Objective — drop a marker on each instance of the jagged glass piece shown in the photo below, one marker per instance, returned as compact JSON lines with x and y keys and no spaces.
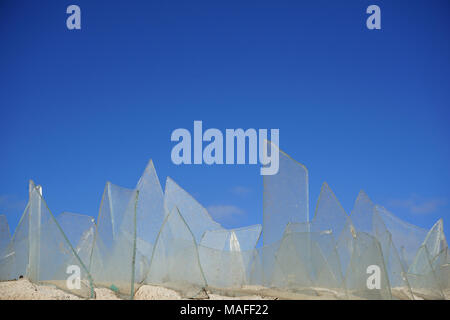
{"x":406,"y":237}
{"x":225,"y":269}
{"x":326,"y":263}
{"x":325,"y":269}
{"x":441,"y":267}
{"x":80,"y":230}
{"x":307,"y":260}
{"x":366,"y":219}
{"x":149,"y":219}
{"x":362,"y":213}
{"x":292,"y":269}
{"x":435,"y":240}
{"x":43,"y":253}
{"x":422,"y":277}
{"x":264,"y":264}
{"x":113,"y":258}
{"x":175,"y":261}
{"x":437,"y":248}
{"x":360,"y":220}
{"x":195,"y":215}
{"x":256,"y":275}
{"x":329,"y":215}
{"x":226,"y":256}
{"x":398,"y":280}
{"x":6,"y":252}
{"x":285,"y":197}
{"x":366,"y":254}
{"x":19,"y":246}
{"x":344,"y":246}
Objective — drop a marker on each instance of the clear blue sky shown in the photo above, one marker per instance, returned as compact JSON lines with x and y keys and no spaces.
{"x":360,"y":108}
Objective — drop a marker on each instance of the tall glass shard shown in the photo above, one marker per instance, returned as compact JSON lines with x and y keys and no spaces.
{"x":149,"y":219}
{"x":309,"y":260}
{"x":362,"y":213}
{"x":406,"y":237}
{"x":367,"y":276}
{"x":195,"y":215}
{"x":285,"y":196}
{"x":398,"y":279}
{"x":435,"y":240}
{"x":175,"y":261}
{"x":366,"y":218}
{"x":43,"y":253}
{"x":330,"y":217}
{"x":441,"y":267}
{"x":293,"y":269}
{"x":80,"y":230}
{"x":113,"y":257}
{"x":422,"y":277}
{"x":226,"y":256}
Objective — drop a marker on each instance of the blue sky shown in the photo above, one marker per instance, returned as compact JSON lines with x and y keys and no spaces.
{"x":361,"y":109}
